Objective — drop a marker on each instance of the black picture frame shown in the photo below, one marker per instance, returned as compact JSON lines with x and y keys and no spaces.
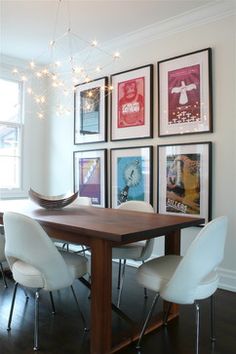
{"x":90,"y":111}
{"x":90,"y":175}
{"x":132,"y":104}
{"x":184,"y":179}
{"x":131,"y":171}
{"x":185,"y":94}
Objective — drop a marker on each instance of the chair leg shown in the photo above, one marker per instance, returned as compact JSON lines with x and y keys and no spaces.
{"x":52,"y":302}
{"x":166,"y":314}
{"x":81,"y":313}
{"x":36,"y":321}
{"x":119,"y":275}
{"x":145,"y":289}
{"x":197,"y":308}
{"x":121,"y":284}
{"x":3,"y":275}
{"x":138,"y":346}
{"x":212,"y":299}
{"x":12,"y":306}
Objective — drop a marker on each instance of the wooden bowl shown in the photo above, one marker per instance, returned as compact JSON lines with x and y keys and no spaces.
{"x":52,"y":202}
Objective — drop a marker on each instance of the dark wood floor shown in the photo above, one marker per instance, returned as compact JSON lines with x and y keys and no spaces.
{"x":63,"y":333}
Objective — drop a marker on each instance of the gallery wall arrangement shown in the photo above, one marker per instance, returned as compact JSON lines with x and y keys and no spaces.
{"x":184,"y":85}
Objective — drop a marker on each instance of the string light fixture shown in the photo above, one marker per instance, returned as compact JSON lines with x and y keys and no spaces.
{"x":78,"y":66}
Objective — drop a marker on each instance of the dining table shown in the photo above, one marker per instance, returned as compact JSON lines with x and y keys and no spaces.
{"x":101,"y":229}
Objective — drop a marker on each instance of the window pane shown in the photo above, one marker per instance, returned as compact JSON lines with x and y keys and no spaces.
{"x":10,"y":168}
{"x":9,"y":141}
{"x":9,"y":101}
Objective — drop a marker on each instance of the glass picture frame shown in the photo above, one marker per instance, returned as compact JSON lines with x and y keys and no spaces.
{"x":90,"y":115}
{"x":132,"y":104}
{"x":184,"y":179}
{"x":185,"y":94}
{"x":131,"y":174}
{"x":90,"y":177}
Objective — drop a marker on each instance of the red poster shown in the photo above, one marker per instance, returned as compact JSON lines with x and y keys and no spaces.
{"x":184,"y":95}
{"x":131,"y":98}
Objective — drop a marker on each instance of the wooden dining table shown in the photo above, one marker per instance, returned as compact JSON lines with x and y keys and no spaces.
{"x":101,"y":229}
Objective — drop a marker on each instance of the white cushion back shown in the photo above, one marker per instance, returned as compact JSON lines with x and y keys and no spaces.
{"x":141,"y":206}
{"x":86,"y":201}
{"x":27,"y":241}
{"x":202,"y":257}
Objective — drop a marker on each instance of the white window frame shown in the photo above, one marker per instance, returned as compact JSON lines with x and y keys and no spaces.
{"x":10,"y":193}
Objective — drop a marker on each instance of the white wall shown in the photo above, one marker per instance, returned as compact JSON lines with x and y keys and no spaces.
{"x":49,"y":143}
{"x":220,"y":36}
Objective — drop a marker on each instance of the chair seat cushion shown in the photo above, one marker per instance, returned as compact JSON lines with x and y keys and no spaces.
{"x":27,"y":275}
{"x":77,"y":264}
{"x":156,"y":273}
{"x":130,"y":251}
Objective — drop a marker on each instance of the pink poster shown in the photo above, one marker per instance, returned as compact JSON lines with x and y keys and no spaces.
{"x":184,"y":95}
{"x":131,"y":98}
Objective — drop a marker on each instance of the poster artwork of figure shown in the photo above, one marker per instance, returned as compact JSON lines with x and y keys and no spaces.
{"x":131,"y":98}
{"x":89,"y":180}
{"x":90,"y":111}
{"x":184,"y":95}
{"x":130,"y":179}
{"x":183,"y":184}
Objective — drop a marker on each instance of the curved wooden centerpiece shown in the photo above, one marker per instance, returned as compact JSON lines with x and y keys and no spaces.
{"x":52,"y":202}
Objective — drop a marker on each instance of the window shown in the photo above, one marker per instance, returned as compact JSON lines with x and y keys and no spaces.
{"x":11,"y":127}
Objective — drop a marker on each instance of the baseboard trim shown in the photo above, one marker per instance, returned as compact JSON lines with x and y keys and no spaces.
{"x":227,"y":279}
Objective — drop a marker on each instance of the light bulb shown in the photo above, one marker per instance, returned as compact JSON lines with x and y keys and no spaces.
{"x":116,"y":55}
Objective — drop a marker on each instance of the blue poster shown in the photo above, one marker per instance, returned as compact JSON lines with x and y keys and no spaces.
{"x":130,"y":179}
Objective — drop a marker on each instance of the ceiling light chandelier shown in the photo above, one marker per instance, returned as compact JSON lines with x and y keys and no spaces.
{"x":63,"y":74}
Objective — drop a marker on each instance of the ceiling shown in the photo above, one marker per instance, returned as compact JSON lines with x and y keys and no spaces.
{"x":27,"y":27}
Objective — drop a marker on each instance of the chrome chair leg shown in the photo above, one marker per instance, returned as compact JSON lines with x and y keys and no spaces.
{"x":3,"y":275}
{"x":81,"y":313}
{"x":138,"y":346}
{"x":212,"y":300}
{"x":197,"y":308}
{"x":145,"y":289}
{"x":52,"y":302}
{"x":121,"y":284}
{"x":166,"y":314}
{"x":36,"y":321}
{"x":12,"y":307}
{"x":119,"y":274}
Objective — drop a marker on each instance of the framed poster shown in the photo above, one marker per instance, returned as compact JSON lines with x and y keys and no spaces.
{"x":132,"y":108}
{"x":90,"y":175}
{"x":90,"y":118}
{"x":185,"y":94}
{"x":131,"y":175}
{"x":184,"y":180}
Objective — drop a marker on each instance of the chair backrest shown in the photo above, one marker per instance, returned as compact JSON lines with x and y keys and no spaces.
{"x":83,"y":201}
{"x":137,"y":205}
{"x":27,"y":241}
{"x":202,"y":257}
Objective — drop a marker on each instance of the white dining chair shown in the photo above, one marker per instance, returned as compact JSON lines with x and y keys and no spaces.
{"x":36,"y":263}
{"x":2,"y":254}
{"x":137,"y":251}
{"x":188,"y":279}
{"x":79,"y":201}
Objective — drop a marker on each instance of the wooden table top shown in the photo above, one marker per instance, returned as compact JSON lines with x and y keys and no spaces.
{"x":106,"y":223}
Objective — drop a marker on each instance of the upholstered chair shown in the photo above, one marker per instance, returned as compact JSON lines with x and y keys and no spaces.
{"x":36,"y":263}
{"x":188,"y":279}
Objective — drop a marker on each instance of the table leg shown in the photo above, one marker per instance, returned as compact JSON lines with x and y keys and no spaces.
{"x":172,"y":246}
{"x":101,"y":313}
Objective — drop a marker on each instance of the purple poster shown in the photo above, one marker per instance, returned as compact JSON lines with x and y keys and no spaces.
{"x":184,"y":95}
{"x":89,"y":179}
